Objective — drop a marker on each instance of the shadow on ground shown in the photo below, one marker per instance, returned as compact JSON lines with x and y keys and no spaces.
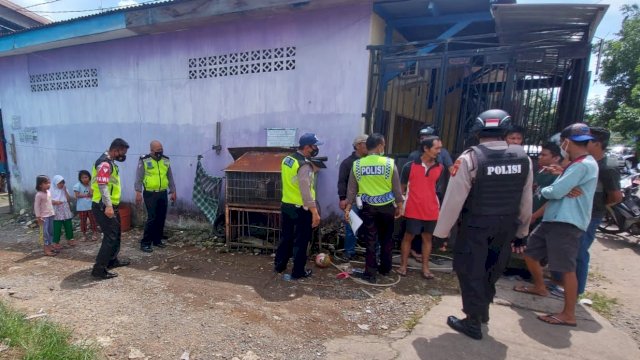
{"x":620,"y":241}
{"x":240,"y":268}
{"x":440,"y":348}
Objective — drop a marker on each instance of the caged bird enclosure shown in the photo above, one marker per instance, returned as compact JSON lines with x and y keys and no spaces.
{"x":253,"y":193}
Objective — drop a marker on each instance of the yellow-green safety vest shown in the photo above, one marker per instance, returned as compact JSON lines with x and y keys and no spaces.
{"x":374,"y":175}
{"x":290,"y":185}
{"x":114,"y":182}
{"x":155,"y":173}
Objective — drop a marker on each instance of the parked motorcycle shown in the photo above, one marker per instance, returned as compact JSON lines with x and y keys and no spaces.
{"x":624,"y":216}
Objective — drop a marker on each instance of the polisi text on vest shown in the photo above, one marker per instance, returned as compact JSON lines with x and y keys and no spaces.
{"x":504,"y":169}
{"x":372,"y":170}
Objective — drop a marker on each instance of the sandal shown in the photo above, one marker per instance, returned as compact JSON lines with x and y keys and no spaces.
{"x":555,"y":320}
{"x":400,"y":272}
{"x":428,"y":276}
{"x":527,"y":290}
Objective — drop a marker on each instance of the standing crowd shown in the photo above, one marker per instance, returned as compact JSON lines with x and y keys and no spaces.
{"x":490,"y":198}
{"x":98,"y":195}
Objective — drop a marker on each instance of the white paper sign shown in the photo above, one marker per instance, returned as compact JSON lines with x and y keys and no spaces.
{"x":354,"y":221}
{"x":281,"y":137}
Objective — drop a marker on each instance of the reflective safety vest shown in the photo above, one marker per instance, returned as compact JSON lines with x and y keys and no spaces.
{"x":114,"y":181}
{"x":155,"y":173}
{"x":290,"y":185}
{"x":374,"y":175}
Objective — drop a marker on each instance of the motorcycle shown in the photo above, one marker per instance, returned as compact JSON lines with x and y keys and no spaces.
{"x":624,"y":216}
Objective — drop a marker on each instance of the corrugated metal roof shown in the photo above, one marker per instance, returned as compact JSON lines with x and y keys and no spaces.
{"x":539,"y":23}
{"x":114,"y":10}
{"x":257,"y":161}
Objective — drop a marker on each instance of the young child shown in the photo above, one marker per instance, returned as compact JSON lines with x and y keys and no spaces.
{"x":43,"y":208}
{"x":60,"y":199}
{"x":84,"y":194}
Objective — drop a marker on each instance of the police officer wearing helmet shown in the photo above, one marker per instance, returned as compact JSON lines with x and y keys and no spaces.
{"x":105,"y":182}
{"x":155,"y":176}
{"x":299,"y":210}
{"x":491,"y":185}
{"x":376,"y":181}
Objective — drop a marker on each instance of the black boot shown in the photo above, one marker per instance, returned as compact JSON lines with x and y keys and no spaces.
{"x":102,"y":273}
{"x":469,"y":326}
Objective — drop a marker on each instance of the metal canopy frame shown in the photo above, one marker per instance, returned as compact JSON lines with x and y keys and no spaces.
{"x":542,"y":84}
{"x":533,"y":61}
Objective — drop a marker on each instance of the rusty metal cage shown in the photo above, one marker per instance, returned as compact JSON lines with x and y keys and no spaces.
{"x":254,"y":188}
{"x":253,"y":192}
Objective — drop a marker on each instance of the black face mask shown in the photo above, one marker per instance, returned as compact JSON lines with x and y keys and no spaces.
{"x":158,"y":154}
{"x":314,"y":151}
{"x":121,"y":158}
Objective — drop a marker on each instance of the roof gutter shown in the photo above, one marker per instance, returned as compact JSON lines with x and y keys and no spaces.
{"x":165,"y":17}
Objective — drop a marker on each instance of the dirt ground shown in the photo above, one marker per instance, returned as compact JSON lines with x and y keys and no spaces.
{"x":217,"y":304}
{"x":615,"y":272}
{"x":209,"y":302}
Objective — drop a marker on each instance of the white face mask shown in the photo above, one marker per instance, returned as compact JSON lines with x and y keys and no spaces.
{"x":563,"y":151}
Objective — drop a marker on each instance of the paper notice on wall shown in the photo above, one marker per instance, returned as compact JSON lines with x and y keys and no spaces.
{"x":285,"y":137}
{"x":355,"y":221}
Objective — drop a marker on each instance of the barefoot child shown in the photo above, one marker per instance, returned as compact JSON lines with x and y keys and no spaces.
{"x":60,"y":198}
{"x":84,"y":194}
{"x":43,"y":209}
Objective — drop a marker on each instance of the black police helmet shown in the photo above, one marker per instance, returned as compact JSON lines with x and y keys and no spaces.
{"x":491,"y":123}
{"x":427,"y":130}
{"x":556,"y":139}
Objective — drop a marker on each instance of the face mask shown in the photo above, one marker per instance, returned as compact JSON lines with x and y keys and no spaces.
{"x":563,"y":151}
{"x":158,"y":154}
{"x":314,"y":152}
{"x":121,"y":158}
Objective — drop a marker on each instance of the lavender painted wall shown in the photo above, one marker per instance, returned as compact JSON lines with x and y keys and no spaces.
{"x":145,"y":93}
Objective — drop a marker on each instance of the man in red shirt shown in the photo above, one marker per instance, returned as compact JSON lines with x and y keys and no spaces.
{"x":419,"y":179}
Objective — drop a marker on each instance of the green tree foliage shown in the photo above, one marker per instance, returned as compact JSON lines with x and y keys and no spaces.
{"x":620,"y":109}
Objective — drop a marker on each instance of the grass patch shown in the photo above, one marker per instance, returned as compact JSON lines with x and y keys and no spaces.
{"x":411,"y":322}
{"x":602,"y":304}
{"x":595,"y":276}
{"x":39,"y":338}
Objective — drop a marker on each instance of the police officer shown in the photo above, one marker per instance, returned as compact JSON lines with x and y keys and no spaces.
{"x":154,"y":174}
{"x":491,"y":184}
{"x":376,"y":182}
{"x":106,"y":198}
{"x":299,"y":210}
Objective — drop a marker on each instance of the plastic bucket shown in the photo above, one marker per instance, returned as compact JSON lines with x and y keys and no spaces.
{"x":125,"y":217}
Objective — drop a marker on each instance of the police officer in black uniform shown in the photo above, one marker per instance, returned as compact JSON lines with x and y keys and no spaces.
{"x":491,"y":185}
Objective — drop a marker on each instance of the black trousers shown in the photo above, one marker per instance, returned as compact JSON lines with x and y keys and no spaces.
{"x":156,"y":204}
{"x":295,"y":234}
{"x":377,"y":225}
{"x":110,"y":227}
{"x":480,"y":256}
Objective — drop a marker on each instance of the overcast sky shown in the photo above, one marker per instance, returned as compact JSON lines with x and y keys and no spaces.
{"x":64,"y":9}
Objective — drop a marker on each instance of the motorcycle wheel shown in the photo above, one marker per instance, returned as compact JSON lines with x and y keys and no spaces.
{"x":609,"y":225}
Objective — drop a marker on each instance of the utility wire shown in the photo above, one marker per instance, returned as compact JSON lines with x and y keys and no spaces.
{"x":92,"y":10}
{"x":34,"y":5}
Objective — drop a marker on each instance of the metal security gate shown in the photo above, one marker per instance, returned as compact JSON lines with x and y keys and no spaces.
{"x":543,"y":86}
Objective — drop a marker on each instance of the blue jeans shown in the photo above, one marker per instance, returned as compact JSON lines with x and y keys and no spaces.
{"x":350,"y":239}
{"x":582,"y":262}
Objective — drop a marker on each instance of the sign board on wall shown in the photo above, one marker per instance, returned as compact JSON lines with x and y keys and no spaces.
{"x":16,"y":123}
{"x":284,"y":137}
